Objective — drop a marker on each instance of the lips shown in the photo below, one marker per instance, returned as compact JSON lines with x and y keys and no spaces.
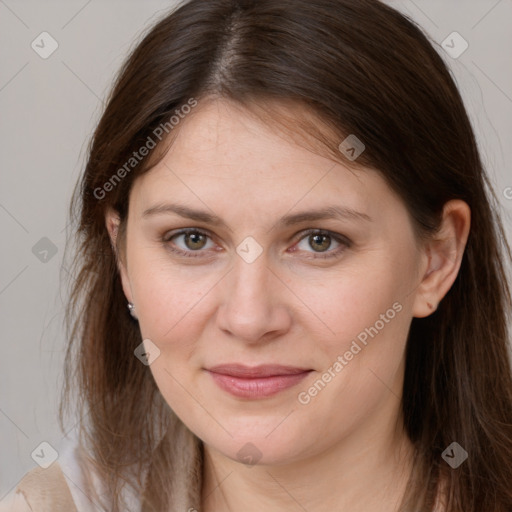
{"x":258,"y":381}
{"x":248,"y":372}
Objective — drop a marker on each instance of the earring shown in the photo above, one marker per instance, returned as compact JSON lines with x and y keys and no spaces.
{"x":131,"y":308}
{"x":431,"y":306}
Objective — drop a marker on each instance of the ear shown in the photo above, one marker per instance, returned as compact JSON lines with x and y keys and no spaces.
{"x":443,"y":255}
{"x":112,"y":221}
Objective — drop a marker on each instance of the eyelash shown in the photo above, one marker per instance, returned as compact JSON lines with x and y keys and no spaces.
{"x":345,"y":242}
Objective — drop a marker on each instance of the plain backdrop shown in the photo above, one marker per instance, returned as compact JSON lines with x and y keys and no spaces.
{"x":49,"y":108}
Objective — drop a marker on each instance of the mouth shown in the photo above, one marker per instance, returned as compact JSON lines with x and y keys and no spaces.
{"x":258,"y":381}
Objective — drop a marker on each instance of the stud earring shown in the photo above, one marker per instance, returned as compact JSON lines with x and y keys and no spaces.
{"x":131,"y":308}
{"x":432,"y":306}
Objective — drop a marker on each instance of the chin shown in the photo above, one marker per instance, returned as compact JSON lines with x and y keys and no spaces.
{"x":251,"y":445}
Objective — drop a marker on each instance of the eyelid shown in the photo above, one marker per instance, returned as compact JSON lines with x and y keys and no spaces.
{"x":344,"y":242}
{"x":166,"y":238}
{"x":341,"y":239}
{"x":318,"y":231}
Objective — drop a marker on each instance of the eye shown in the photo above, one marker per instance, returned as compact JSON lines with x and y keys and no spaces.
{"x":193,"y":239}
{"x":321,"y":241}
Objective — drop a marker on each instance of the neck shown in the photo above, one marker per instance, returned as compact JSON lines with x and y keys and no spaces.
{"x":366,"y":471}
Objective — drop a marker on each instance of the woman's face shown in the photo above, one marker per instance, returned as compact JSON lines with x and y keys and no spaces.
{"x":252,"y":286}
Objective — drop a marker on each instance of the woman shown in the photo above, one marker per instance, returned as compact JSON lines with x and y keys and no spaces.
{"x":290,"y":285}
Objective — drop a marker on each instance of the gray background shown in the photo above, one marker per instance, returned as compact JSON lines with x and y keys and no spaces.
{"x":49,"y":108}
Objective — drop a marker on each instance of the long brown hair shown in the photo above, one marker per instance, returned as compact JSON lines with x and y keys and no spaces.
{"x":361,"y":68}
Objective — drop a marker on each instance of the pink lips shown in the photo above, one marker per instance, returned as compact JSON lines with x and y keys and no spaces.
{"x":257,"y":381}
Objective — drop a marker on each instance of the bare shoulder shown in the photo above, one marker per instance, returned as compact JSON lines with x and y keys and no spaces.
{"x":40,"y":490}
{"x":14,"y":502}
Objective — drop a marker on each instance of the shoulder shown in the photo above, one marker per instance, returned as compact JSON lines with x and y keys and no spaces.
{"x":14,"y":502}
{"x":40,"y":490}
{"x":68,"y":485}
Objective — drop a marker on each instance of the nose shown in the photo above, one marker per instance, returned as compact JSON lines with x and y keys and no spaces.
{"x":254,"y":307}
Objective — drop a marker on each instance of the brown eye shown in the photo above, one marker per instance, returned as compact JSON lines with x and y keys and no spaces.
{"x":320,"y":242}
{"x":191,"y":242}
{"x":194,"y":240}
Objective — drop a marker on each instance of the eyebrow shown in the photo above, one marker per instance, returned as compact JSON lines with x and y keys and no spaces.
{"x":328,"y":212}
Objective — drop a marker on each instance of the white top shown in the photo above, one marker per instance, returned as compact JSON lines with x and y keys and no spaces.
{"x":74,"y":469}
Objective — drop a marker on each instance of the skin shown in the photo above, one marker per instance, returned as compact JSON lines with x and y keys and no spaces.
{"x":345,"y":449}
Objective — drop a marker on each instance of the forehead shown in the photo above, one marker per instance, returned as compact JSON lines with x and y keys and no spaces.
{"x":224,"y":134}
{"x":224,"y":155}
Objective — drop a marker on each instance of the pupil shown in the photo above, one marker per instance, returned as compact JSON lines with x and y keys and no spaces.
{"x":324,"y":237}
{"x":195,"y":238}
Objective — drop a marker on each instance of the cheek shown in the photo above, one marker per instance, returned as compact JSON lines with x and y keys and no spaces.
{"x":169,"y":297}
{"x":353,"y":300}
{"x":365,"y":313}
